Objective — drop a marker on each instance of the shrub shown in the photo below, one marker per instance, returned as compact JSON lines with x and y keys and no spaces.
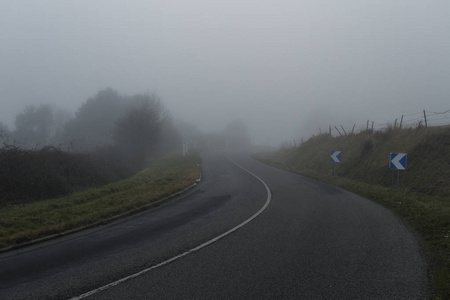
{"x":30,"y":175}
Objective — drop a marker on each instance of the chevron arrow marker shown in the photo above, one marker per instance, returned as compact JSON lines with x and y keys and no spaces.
{"x":398,"y":161}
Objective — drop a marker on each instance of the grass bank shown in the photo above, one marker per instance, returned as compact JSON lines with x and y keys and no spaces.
{"x":162,"y":178}
{"x":422,"y":200}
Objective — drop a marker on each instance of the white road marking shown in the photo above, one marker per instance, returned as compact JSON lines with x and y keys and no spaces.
{"x":112,"y":284}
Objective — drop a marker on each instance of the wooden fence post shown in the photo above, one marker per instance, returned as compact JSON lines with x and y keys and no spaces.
{"x":425,"y":117}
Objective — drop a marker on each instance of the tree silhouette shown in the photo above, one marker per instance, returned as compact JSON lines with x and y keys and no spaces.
{"x":33,"y":125}
{"x":138,"y":132}
{"x":5,"y":135}
{"x":94,"y":122}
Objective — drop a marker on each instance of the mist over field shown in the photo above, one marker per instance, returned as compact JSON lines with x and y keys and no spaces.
{"x":285,"y":69}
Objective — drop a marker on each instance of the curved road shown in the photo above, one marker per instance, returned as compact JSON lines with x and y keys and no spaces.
{"x":313,"y":241}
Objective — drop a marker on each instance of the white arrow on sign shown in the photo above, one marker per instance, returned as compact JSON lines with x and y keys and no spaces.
{"x":397,"y":163}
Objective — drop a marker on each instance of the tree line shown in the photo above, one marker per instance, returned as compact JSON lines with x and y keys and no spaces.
{"x":51,"y":153}
{"x":138,"y":126}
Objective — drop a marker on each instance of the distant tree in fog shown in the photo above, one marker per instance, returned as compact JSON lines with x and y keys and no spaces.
{"x":94,"y":122}
{"x":33,"y":125}
{"x":5,"y":135}
{"x":138,"y":131}
{"x":3,"y":128}
{"x":60,"y":120}
{"x":38,"y":126}
{"x":138,"y":124}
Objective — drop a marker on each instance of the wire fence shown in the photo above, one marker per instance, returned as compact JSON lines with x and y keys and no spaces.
{"x":424,"y":118}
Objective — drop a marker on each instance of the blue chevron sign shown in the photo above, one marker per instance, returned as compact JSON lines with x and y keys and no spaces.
{"x":335,"y":156}
{"x":398,"y":161}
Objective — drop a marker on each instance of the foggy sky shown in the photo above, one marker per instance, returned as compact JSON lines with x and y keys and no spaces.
{"x":285,"y":67}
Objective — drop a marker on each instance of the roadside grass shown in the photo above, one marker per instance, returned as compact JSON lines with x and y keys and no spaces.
{"x":422,"y":201}
{"x":163,"y":177}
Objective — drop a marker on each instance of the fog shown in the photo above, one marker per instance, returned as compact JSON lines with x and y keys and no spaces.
{"x":287,"y":68}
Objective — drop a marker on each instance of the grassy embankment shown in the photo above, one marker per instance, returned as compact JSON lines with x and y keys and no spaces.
{"x":423,"y":197}
{"x":162,"y":178}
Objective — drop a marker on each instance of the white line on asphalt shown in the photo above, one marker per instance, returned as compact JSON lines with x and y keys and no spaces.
{"x":112,"y":284}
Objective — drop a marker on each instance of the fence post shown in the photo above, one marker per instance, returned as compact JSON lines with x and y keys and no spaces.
{"x":425,"y":117}
{"x":338,"y":131}
{"x":401,"y":122}
{"x":343,"y":130}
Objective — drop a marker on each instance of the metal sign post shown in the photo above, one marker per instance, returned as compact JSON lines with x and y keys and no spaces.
{"x":335,"y":157}
{"x":397,"y":162}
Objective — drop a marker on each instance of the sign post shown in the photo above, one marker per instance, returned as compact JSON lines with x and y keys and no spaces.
{"x":335,"y":157}
{"x":397,"y":162}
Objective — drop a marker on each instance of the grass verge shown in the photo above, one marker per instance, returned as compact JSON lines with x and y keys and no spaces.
{"x":163,"y":177}
{"x":429,"y":216}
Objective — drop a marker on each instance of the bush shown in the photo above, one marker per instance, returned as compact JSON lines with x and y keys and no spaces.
{"x":30,"y":175}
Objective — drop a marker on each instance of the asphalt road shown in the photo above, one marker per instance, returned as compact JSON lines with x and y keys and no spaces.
{"x":312,"y":241}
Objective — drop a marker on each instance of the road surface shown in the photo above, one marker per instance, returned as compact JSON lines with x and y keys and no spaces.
{"x":301,"y":240}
